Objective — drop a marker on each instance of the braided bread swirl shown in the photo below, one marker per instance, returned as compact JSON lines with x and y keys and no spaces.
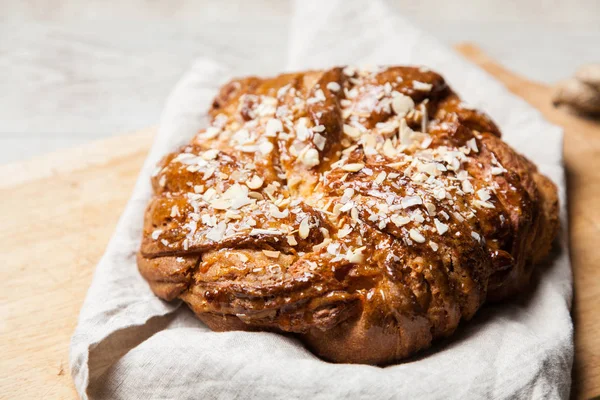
{"x":366,"y":211}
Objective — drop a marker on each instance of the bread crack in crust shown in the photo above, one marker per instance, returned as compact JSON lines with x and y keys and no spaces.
{"x":366,"y":211}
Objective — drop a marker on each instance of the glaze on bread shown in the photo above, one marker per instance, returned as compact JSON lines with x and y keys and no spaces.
{"x":366,"y":211}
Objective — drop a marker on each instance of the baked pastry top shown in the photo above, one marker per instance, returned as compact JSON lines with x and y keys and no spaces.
{"x":366,"y":211}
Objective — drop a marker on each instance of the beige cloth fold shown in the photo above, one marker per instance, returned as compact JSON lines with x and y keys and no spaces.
{"x":129,"y":344}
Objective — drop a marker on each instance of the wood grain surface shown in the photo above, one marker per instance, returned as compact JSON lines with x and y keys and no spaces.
{"x":58,"y":213}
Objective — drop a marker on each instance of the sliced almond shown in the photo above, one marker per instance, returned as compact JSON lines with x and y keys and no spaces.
{"x":399,"y":220}
{"x":273,"y":127}
{"x":292,"y":240}
{"x":467,"y":187}
{"x":472,"y":144}
{"x":402,"y":104}
{"x":405,"y":133}
{"x":380,"y":178}
{"x":304,"y":229}
{"x":352,"y":131}
{"x":356,"y":256}
{"x":271,"y":254}
{"x":255,"y":182}
{"x":333,"y":86}
{"x":388,"y":149}
{"x":319,"y":141}
{"x":155,"y":234}
{"x":410,"y":201}
{"x":310,"y":158}
{"x":355,"y":167}
{"x":265,"y":147}
{"x":416,"y":236}
{"x":440,"y":226}
{"x":422,"y":86}
{"x":483,"y":194}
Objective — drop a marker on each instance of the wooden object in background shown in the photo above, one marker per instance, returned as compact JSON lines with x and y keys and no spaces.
{"x":59,"y":211}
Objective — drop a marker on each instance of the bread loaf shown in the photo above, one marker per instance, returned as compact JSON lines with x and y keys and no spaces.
{"x":368,"y":212}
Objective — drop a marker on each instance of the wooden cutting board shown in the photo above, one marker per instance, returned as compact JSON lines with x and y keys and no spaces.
{"x":59,"y":211}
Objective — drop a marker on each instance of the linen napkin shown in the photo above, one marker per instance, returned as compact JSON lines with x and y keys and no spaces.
{"x":129,"y":344}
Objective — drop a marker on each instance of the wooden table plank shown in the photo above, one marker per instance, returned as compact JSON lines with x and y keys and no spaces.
{"x":60,"y":210}
{"x":57,"y":214}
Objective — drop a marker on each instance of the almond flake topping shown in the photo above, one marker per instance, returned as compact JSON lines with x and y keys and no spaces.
{"x":399,"y":220}
{"x":467,"y":187}
{"x":318,"y":97}
{"x":274,"y":126}
{"x":402,"y":104}
{"x":216,"y":233}
{"x":348,"y":193}
{"x":405,"y":133}
{"x":255,"y":182}
{"x":410,"y":201}
{"x":439,"y":193}
{"x":355,"y":256}
{"x":440,"y":226}
{"x":430,"y":208}
{"x":237,"y":200}
{"x":353,"y":167}
{"x":483,"y":194}
{"x":473,"y":145}
{"x":352,"y":131}
{"x":333,"y":248}
{"x":235,"y":197}
{"x":276,"y":213}
{"x":265,"y":147}
{"x":271,"y":254}
{"x":388,"y":149}
{"x":333,"y":86}
{"x":345,"y":231}
{"x":309,"y":157}
{"x":416,"y":236}
{"x":322,"y":245}
{"x":354,"y":214}
{"x":302,"y":131}
{"x":380,"y":178}
{"x":210,"y":154}
{"x":349,"y":70}
{"x":319,"y":141}
{"x":422,"y":86}
{"x":347,"y":207}
{"x":304,"y":229}
{"x":426,"y":142}
{"x":211,"y":132}
{"x":458,"y":216}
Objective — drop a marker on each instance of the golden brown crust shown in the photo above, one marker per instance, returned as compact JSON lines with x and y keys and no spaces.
{"x":368,"y":212}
